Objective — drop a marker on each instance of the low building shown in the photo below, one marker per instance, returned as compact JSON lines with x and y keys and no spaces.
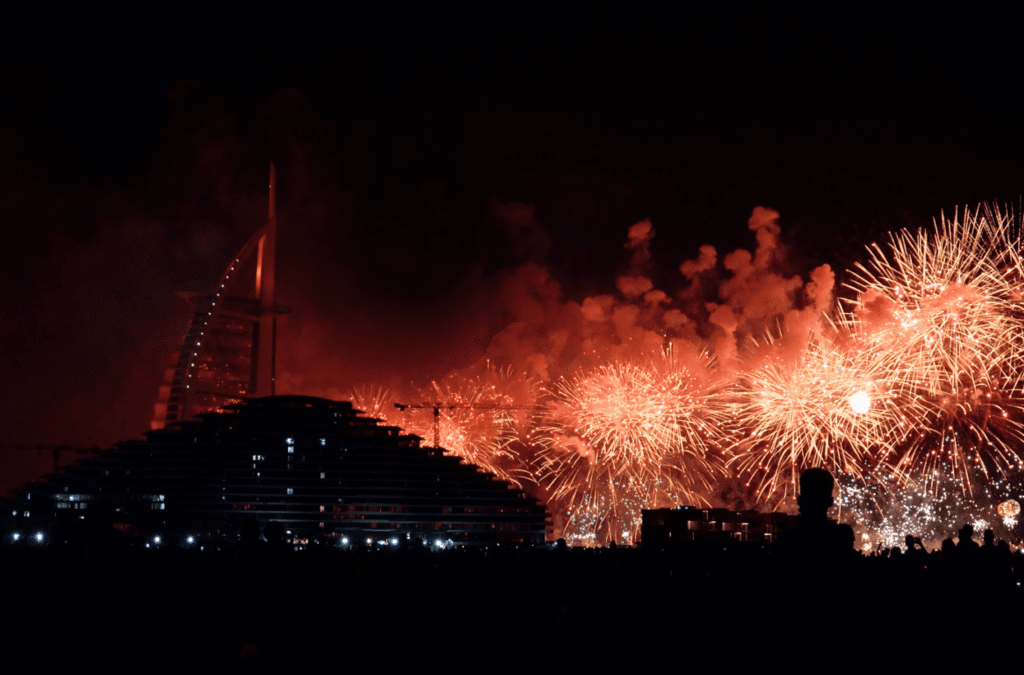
{"x":318,"y":467}
{"x":664,"y":528}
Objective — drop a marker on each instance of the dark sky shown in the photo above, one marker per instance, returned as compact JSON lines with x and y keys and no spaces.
{"x":426,"y":150}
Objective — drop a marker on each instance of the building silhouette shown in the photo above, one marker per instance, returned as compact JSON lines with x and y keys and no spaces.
{"x":228,"y":352}
{"x":318,"y":467}
{"x":224,"y":448}
{"x":667,"y":528}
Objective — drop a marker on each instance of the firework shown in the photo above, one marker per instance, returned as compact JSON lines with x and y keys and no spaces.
{"x":483,"y":419}
{"x":1008,"y":510}
{"x":885,"y":510}
{"x":829,"y":407}
{"x":911,"y":392}
{"x":628,"y":436}
{"x":941,"y":304}
{"x":376,"y":402}
{"x":942,"y":308}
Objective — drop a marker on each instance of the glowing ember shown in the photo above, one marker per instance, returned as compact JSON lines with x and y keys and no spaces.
{"x":1008,"y":509}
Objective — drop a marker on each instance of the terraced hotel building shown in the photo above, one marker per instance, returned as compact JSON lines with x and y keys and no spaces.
{"x":317,"y":466}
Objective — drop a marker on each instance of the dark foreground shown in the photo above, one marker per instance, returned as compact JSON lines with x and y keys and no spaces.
{"x":707,"y":607}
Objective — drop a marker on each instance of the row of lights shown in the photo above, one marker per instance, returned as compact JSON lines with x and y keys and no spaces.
{"x":38,"y":537}
{"x":190,"y":540}
{"x":201,"y":333}
{"x":394,"y":541}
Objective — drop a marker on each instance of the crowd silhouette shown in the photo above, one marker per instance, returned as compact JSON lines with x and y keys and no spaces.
{"x":262,"y":603}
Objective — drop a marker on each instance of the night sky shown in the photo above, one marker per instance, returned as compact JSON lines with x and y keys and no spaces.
{"x":428,"y":152}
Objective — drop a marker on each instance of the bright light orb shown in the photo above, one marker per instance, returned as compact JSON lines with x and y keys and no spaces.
{"x":1009,"y":508}
{"x":860,"y":402}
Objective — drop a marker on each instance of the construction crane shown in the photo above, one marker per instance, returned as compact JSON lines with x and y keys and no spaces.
{"x":55,"y":449}
{"x":438,"y":407}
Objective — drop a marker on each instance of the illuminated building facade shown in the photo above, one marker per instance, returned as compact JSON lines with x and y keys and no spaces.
{"x":317,"y":466}
{"x":665,"y":528}
{"x":228,"y":352}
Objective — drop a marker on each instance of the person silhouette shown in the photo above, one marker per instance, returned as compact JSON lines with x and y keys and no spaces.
{"x":814,"y":534}
{"x":966,"y":547}
{"x":814,"y":559}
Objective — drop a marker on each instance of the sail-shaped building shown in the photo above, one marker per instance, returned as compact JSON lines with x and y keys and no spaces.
{"x":223,"y":448}
{"x":229,"y":351}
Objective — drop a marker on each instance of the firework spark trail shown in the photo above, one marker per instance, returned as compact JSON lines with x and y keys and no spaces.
{"x":941,"y":304}
{"x":944,"y":309}
{"x":625,"y":437}
{"x":483,"y":419}
{"x":915,"y":386}
{"x":831,"y":408}
{"x":375,"y":402}
{"x":885,"y":510}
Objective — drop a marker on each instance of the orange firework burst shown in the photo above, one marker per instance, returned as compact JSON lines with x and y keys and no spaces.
{"x":481,"y":419}
{"x":944,"y":310}
{"x":942,"y":304}
{"x":916,"y":385}
{"x":625,"y":436}
{"x":972,"y":434}
{"x":831,"y":407}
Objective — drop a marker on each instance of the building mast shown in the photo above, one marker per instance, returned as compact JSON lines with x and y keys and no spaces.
{"x":265,"y":263}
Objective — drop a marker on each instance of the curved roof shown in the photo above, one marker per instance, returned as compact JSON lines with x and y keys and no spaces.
{"x":317,"y":466}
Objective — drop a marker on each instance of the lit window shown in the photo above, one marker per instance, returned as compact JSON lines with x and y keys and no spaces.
{"x":323,"y":441}
{"x":290,"y":441}
{"x":291,"y":491}
{"x":26,"y":514}
{"x":291,"y":449}
{"x":321,"y":508}
{"x":323,"y":475}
